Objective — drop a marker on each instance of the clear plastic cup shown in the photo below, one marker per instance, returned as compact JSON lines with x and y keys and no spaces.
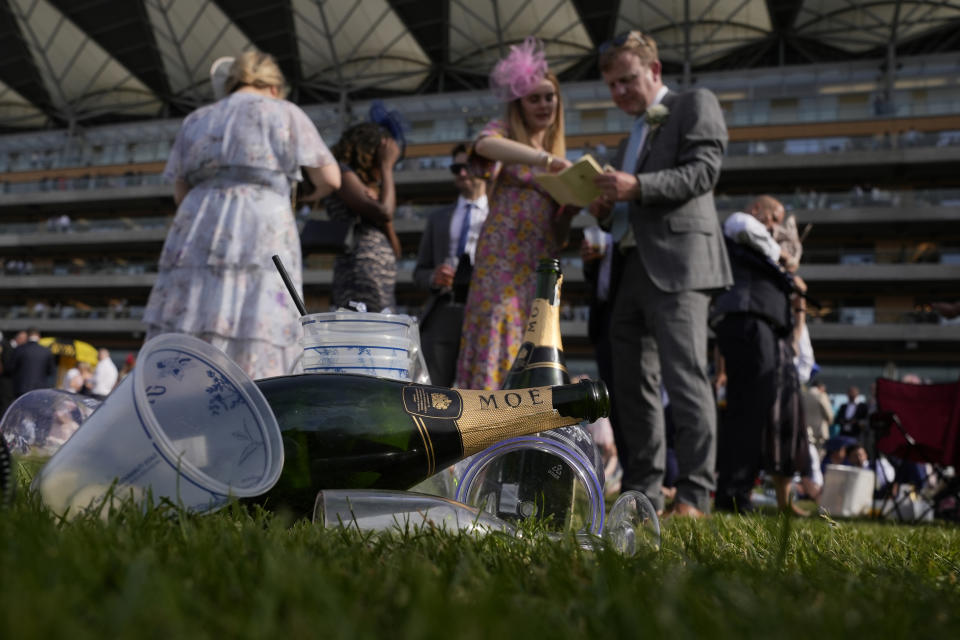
{"x":338,"y":324}
{"x":365,"y":358}
{"x":376,"y":344}
{"x":394,"y":373}
{"x":187,"y":424}
{"x":400,"y":511}
{"x":632,"y":524}
{"x":38,"y":423}
{"x":401,"y":350}
{"x":555,"y":476}
{"x":596,"y":238}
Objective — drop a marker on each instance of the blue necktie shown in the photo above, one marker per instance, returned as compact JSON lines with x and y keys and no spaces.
{"x":621,"y":210}
{"x":464,"y":231}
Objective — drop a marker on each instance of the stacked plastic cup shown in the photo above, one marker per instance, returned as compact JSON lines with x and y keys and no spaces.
{"x":384,"y":345}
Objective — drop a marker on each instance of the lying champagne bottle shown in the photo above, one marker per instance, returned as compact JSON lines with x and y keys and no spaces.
{"x":358,"y":432}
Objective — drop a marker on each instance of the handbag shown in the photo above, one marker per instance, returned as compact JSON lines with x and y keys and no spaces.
{"x":327,"y":236}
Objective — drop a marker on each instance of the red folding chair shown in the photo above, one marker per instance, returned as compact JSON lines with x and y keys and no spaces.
{"x":920,"y":423}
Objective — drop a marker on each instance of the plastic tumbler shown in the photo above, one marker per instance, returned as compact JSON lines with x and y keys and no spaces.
{"x":400,"y":511}
{"x":186,"y":424}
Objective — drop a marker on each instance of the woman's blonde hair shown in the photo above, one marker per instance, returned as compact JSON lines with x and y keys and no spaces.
{"x":255,"y":69}
{"x":554,"y":141}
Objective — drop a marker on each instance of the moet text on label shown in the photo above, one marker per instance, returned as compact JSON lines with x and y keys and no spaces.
{"x":510,"y":399}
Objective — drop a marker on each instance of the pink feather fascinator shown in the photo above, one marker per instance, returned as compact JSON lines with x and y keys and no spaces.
{"x":520,"y":72}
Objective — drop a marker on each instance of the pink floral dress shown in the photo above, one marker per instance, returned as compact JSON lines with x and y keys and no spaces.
{"x":216,"y":278}
{"x":515,"y":236}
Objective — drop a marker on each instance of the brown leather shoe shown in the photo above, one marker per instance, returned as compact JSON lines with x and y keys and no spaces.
{"x":683,"y":510}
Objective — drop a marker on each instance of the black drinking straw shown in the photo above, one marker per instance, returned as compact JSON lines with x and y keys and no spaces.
{"x":293,"y":292}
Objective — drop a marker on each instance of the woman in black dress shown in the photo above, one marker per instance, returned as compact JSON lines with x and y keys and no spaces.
{"x":367,"y":197}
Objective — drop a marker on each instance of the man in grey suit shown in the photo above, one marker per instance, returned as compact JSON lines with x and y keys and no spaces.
{"x":661,"y":207}
{"x":444,"y":267}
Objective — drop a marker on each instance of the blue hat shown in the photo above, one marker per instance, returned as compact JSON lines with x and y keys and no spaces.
{"x":390,"y":120}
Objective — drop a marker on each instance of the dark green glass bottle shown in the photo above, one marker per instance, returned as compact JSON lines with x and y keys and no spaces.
{"x":355,"y":432}
{"x":540,"y":360}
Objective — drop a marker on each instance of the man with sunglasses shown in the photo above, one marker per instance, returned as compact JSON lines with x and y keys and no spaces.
{"x":660,"y":210}
{"x":444,"y":267}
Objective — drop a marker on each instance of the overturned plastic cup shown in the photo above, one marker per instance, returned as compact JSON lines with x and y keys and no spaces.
{"x":632,"y":525}
{"x":38,"y":423}
{"x":555,"y":477}
{"x":187,"y":425}
{"x":401,"y":512}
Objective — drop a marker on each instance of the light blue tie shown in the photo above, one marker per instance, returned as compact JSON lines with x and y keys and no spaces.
{"x":621,"y":210}
{"x":464,"y":231}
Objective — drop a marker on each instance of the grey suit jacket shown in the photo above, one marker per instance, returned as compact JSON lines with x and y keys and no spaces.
{"x":434,"y":247}
{"x":675,"y":220}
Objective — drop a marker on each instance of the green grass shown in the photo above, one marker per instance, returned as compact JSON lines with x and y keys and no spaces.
{"x":242,"y":574}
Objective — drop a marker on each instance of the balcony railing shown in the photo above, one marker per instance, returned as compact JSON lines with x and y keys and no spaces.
{"x":888,"y":325}
{"x":916,"y":254}
{"x":65,"y":225}
{"x":81,"y":183}
{"x":745,"y":148}
{"x":788,"y":147}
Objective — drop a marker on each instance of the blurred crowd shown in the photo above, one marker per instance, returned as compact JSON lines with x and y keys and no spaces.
{"x":29,"y":362}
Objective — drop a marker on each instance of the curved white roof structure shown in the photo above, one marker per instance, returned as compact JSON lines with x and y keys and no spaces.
{"x":71,"y":62}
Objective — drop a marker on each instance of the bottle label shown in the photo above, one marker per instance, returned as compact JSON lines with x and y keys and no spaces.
{"x":432,"y":402}
{"x":543,"y":325}
{"x":534,"y":357}
{"x":492,"y":416}
{"x":478,"y":419}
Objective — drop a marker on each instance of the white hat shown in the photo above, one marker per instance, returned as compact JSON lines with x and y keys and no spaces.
{"x":219,"y":71}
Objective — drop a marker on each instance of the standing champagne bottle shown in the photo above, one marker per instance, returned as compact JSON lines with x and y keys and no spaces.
{"x":545,"y":487}
{"x":356,"y":432}
{"x":540,"y":360}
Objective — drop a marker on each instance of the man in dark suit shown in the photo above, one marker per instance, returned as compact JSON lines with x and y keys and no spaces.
{"x":444,"y":267}
{"x":660,"y":204}
{"x":852,"y":415}
{"x":33,"y":365}
{"x":7,"y":393}
{"x":751,"y":322}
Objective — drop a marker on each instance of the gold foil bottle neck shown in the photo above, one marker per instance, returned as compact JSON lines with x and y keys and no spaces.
{"x":543,"y":325}
{"x":490,"y":417}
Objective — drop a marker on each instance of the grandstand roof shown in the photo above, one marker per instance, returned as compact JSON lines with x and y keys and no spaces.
{"x":70,"y":62}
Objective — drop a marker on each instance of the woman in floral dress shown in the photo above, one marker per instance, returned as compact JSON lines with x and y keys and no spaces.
{"x":233,"y":162}
{"x":524,"y":224}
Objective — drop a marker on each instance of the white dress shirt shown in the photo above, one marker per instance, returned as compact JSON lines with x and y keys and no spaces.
{"x":627,"y":240}
{"x":104,"y":377}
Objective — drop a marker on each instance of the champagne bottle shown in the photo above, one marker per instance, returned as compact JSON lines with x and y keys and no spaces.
{"x":357,"y":432}
{"x":540,"y":362}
